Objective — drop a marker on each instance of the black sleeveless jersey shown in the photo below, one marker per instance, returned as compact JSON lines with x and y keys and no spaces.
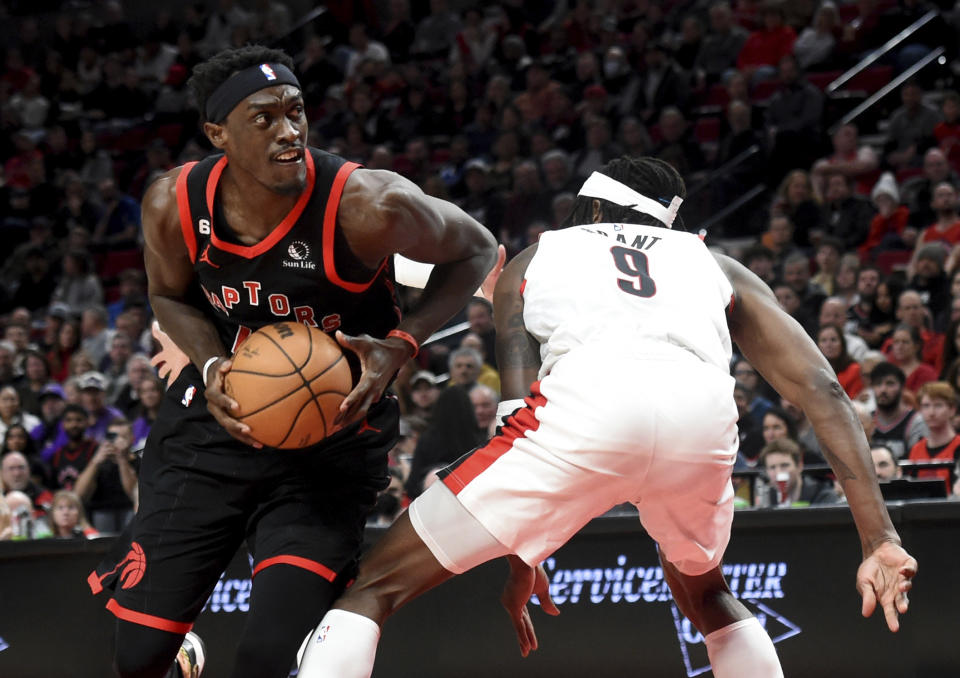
{"x":303,"y":271}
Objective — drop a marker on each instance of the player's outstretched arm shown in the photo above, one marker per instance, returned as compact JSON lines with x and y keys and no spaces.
{"x":382,"y":214}
{"x":170,"y":275}
{"x":788,"y":359}
{"x":518,"y":360}
{"x":518,"y":353}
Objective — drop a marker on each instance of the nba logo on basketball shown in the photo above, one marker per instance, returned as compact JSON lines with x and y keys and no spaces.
{"x":322,"y":633}
{"x":267,"y":71}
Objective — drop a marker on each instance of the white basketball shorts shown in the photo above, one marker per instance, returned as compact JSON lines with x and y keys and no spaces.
{"x":652,"y":425}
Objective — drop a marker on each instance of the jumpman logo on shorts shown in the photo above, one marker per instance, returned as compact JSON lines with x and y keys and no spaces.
{"x":366,"y":427}
{"x":205,"y":257}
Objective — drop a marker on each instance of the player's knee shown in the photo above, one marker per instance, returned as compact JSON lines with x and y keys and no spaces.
{"x":138,"y":664}
{"x":143,"y":652}
{"x":373,"y":596}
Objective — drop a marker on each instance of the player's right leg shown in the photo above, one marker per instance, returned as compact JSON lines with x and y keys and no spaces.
{"x":144,"y":651}
{"x":189,"y":525}
{"x":736,"y":643}
{"x":400,"y":567}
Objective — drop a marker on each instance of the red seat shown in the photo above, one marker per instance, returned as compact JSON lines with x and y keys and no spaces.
{"x":170,"y":134}
{"x":707,"y":130}
{"x":893,"y":260}
{"x":717,"y":96}
{"x":848,"y":12}
{"x":764,"y":90}
{"x":440,"y":156}
{"x":908,"y":173}
{"x":114,"y":262}
{"x":656,"y":136}
{"x":821,"y":80}
{"x":871,"y":79}
{"x":133,"y":139}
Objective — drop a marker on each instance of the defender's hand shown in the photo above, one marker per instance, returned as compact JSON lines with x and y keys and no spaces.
{"x":886,"y":575}
{"x":223,"y":407}
{"x":380,"y":359}
{"x":523,"y":582}
{"x":170,"y":361}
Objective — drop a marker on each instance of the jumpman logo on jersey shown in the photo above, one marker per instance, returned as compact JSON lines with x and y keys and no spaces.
{"x":205,"y":257}
{"x":364,"y":427}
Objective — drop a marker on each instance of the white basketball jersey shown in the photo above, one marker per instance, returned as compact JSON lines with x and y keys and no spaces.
{"x":628,"y":283}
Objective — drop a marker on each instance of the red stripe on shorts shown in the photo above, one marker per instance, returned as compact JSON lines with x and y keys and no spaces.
{"x":516,"y":426}
{"x":297,"y":561}
{"x":150,"y":620}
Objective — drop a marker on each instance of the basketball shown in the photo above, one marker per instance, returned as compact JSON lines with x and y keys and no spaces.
{"x":289,"y":380}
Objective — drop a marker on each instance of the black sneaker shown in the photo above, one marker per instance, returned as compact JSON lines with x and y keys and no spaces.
{"x":192,"y":655}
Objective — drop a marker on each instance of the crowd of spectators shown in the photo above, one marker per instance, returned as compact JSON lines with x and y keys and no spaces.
{"x":503,"y":108}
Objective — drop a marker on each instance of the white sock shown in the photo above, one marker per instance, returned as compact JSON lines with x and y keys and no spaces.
{"x":344,"y":645}
{"x":743,"y":650}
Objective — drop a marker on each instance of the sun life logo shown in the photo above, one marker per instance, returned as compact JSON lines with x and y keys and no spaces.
{"x":299,"y":251}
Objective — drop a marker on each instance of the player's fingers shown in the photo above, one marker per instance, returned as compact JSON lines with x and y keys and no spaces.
{"x":531,"y":633}
{"x":521,"y":633}
{"x":346,"y":341}
{"x":869,"y":600}
{"x":890,"y":612}
{"x":910,"y":569}
{"x":541,"y":588}
{"x":347,"y":408}
{"x":222,"y":401}
{"x":903,"y":603}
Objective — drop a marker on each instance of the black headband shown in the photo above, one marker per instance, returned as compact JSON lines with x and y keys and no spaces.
{"x":242,"y":84}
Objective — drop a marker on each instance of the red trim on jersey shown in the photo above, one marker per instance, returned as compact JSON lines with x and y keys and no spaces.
{"x":94,"y":582}
{"x":523,"y":286}
{"x":330,"y":223}
{"x":297,"y":561}
{"x":213,"y":180}
{"x":183,"y":205}
{"x":516,"y":426}
{"x":144,"y":619}
{"x":277,"y":234}
{"x":731,"y":305}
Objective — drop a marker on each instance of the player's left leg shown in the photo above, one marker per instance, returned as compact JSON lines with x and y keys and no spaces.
{"x":736,"y":643}
{"x":275,"y":625}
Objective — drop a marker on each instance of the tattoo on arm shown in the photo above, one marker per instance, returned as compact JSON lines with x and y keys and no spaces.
{"x":844,"y":472}
{"x":521,"y":351}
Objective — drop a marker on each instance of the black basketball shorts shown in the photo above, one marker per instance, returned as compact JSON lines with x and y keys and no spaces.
{"x":203,"y":493}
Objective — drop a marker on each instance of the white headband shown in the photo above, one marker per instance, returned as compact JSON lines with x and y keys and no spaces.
{"x":606,"y":188}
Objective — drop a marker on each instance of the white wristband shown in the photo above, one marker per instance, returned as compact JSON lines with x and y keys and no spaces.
{"x":506,"y":408}
{"x":206,"y":366}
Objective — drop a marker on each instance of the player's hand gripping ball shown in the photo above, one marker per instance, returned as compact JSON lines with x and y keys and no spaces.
{"x":289,"y":380}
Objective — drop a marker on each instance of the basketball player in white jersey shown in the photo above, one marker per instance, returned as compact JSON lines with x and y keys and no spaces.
{"x":601,"y":329}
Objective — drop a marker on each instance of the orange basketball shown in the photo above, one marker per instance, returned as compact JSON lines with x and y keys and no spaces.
{"x":289,"y":380}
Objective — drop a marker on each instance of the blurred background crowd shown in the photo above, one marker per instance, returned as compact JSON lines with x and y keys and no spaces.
{"x":818,"y":140}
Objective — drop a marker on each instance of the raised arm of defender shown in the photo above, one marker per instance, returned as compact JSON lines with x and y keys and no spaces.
{"x":787,"y":358}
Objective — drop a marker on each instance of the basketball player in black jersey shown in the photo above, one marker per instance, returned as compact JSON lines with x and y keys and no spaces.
{"x":270,"y":230}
